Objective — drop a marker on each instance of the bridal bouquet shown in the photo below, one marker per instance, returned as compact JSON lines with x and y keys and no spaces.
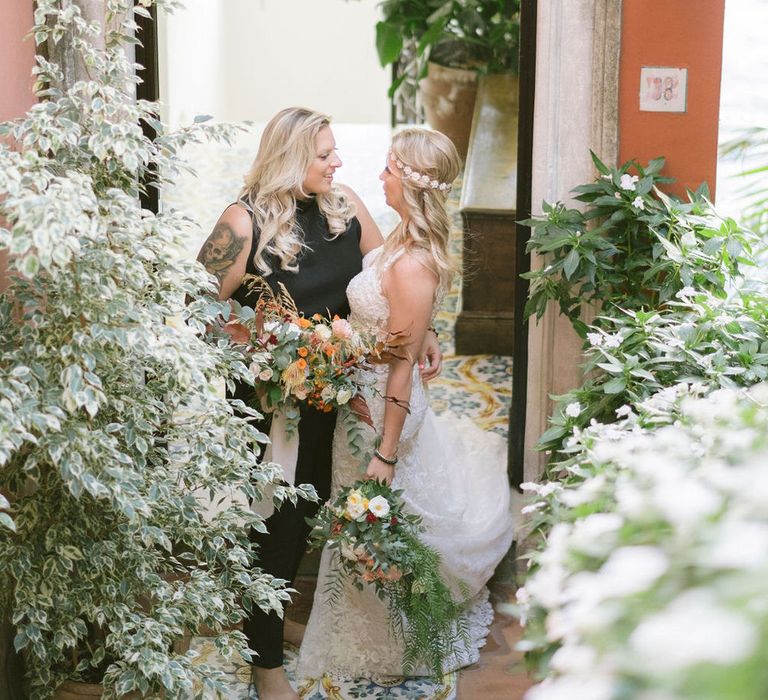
{"x":376,"y":542}
{"x":296,"y":359}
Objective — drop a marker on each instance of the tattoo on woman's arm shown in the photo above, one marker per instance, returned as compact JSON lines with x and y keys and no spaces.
{"x":220,"y":250}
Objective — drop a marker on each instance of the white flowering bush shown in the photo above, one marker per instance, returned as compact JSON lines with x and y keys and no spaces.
{"x":113,"y":438}
{"x":652,"y":582}
{"x":697,"y":337}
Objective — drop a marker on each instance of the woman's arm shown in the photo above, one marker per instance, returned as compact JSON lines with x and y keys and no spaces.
{"x":225,"y":252}
{"x":410,"y":289}
{"x":370,"y":236}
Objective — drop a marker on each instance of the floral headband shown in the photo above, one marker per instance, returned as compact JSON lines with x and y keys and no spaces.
{"x":418,"y":178}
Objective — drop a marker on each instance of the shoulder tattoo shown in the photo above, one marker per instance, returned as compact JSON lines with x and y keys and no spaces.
{"x":220,"y":250}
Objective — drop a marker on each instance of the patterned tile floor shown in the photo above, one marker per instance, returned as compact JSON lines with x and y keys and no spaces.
{"x":477,"y":386}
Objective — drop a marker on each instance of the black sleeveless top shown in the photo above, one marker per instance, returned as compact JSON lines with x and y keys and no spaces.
{"x":325,"y":267}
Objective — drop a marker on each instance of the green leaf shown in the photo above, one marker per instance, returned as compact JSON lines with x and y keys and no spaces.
{"x":601,"y":167}
{"x":615,"y":385}
{"x":7,"y":521}
{"x":30,"y":265}
{"x":571,"y":263}
{"x":432,"y":34}
{"x":389,"y":43}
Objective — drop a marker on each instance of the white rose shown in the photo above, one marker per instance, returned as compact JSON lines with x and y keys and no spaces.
{"x":328,"y":393}
{"x":379,"y":506}
{"x":343,"y":396}
{"x":265,"y":375}
{"x":355,"y":510}
{"x":323,"y":332}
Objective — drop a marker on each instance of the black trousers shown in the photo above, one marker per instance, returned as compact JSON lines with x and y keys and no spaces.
{"x":281,"y":548}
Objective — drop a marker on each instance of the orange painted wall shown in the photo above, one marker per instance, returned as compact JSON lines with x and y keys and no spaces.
{"x":680,"y":34}
{"x":17,"y":56}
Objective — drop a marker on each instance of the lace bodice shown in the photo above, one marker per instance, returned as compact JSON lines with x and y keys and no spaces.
{"x":369,"y":307}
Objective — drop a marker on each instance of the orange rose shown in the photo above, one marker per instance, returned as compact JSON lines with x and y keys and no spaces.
{"x":329,"y":350}
{"x":302,"y":363}
{"x":303,"y":352}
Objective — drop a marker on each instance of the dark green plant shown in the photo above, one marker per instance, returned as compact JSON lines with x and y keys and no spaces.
{"x":632,"y":247}
{"x":664,"y":275}
{"x":481,"y":35}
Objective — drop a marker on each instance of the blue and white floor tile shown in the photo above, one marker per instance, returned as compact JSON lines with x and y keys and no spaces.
{"x":325,"y":688}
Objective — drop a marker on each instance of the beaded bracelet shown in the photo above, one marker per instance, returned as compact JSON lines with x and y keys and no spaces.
{"x":391,"y":462}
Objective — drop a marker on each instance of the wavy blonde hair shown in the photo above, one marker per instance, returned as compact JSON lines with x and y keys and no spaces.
{"x":276,"y":179}
{"x":427,"y":226}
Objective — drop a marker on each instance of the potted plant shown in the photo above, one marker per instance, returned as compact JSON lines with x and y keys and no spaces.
{"x":117,"y":451}
{"x":446,"y":44}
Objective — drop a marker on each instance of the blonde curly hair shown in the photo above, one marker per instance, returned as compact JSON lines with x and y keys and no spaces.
{"x":431,"y":155}
{"x":276,"y":179}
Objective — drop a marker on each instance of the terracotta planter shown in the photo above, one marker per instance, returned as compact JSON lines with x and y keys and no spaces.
{"x":448,"y":96}
{"x":74,"y":690}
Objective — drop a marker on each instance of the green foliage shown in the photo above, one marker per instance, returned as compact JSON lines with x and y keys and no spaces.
{"x":698,"y":338}
{"x":114,"y":438}
{"x":481,"y":35}
{"x":633,"y":247}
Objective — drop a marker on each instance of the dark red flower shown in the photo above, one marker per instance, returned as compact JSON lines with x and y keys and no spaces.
{"x":393,"y":520}
{"x":272,"y":339}
{"x":371,"y":518}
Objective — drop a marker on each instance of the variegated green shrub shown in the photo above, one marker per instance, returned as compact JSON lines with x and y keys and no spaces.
{"x":116,"y":443}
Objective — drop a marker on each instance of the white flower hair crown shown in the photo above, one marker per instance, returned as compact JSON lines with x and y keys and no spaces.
{"x":417,"y":177}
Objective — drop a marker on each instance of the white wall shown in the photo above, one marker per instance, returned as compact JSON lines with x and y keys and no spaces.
{"x":246,"y":59}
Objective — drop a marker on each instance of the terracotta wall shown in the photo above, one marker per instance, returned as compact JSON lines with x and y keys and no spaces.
{"x":17,"y":56}
{"x":683,"y":34}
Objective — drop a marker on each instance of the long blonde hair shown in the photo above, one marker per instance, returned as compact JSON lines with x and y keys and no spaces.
{"x":276,"y":178}
{"x":427,"y":227}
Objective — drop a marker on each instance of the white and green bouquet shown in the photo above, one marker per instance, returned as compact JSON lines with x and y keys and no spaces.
{"x":376,"y":542}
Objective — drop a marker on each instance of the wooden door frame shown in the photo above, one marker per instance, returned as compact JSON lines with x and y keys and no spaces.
{"x":516,"y":426}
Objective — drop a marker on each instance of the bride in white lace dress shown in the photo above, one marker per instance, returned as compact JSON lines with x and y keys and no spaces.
{"x":452,"y":473}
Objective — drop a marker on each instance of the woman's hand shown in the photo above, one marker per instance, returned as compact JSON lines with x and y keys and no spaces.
{"x":431,"y":357}
{"x":379,"y":471}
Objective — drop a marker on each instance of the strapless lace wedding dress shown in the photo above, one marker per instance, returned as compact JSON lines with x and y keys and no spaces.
{"x":453,"y":474}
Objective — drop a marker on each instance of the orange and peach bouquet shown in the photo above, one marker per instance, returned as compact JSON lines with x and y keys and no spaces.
{"x":295,"y":359}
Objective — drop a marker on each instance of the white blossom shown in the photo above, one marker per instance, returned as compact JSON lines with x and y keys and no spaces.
{"x":693,"y":629}
{"x":572,"y":410}
{"x":627,"y":182}
{"x":595,"y":339}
